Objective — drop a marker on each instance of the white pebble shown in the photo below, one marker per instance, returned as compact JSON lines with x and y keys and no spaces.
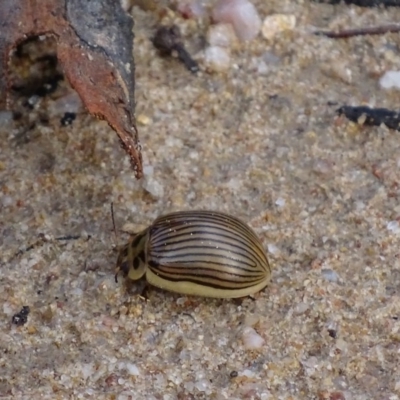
{"x":341,"y":345}
{"x":217,"y":58}
{"x":6,"y":119}
{"x":247,"y":373}
{"x":189,"y":386}
{"x":7,"y":309}
{"x":337,"y":69}
{"x":311,"y":365}
{"x":153,"y":187}
{"x":221,"y":35}
{"x":71,"y":102}
{"x":87,"y":370}
{"x":202,"y":385}
{"x":330,"y":275}
{"x":273,"y":249}
{"x":300,"y":308}
{"x":7,"y":201}
{"x":322,"y":166}
{"x":148,"y":170}
{"x":393,"y":226}
{"x":132,"y":369}
{"x":280,"y":202}
{"x":390,"y":79}
{"x":126,"y":4}
{"x":241,"y":14}
{"x":251,"y":339}
{"x":277,"y":23}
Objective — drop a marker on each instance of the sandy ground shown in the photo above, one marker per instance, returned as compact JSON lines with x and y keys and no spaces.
{"x":261,"y":143}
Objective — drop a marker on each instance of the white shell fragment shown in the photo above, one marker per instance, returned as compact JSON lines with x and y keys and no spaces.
{"x":277,"y":23}
{"x":241,"y":14}
{"x":390,"y":79}
{"x":251,"y":339}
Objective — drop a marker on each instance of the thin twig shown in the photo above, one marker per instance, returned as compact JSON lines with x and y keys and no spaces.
{"x":372,"y":30}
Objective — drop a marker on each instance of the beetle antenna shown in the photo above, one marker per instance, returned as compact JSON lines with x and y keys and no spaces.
{"x":113,"y":221}
{"x":116,"y":238}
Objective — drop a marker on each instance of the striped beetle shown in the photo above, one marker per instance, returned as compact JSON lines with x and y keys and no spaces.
{"x":201,"y":253}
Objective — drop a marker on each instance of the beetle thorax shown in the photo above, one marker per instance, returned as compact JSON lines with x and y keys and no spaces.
{"x":137,"y":255}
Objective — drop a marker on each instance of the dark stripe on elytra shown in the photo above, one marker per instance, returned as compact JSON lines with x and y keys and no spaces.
{"x":187,"y":220}
{"x":165,"y":229}
{"x":183,"y":259}
{"x":220,"y":264}
{"x":160,"y":237}
{"x":211,"y":284}
{"x":200,"y":214}
{"x":206,"y":273}
{"x":156,"y":267}
{"x":201,"y":271}
{"x":196,"y":265}
{"x":172,"y":237}
{"x":206,"y":216}
{"x":247,"y":251}
{"x":193,"y":244}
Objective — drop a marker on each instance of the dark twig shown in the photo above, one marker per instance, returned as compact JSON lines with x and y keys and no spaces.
{"x":364,"y":3}
{"x":372,"y":30}
{"x":43,"y":239}
{"x":168,"y":41}
{"x":21,"y":318}
{"x":371,"y":116}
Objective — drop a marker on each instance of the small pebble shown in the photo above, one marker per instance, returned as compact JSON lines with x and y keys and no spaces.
{"x":217,"y":59}
{"x":273,"y":249}
{"x":87,"y":370}
{"x":251,"y":339}
{"x":152,"y":186}
{"x":143,"y":119}
{"x":126,"y":4}
{"x":277,"y":23}
{"x":21,"y":318}
{"x":70,"y":103}
{"x":390,"y":79}
{"x":300,"y":308}
{"x":191,"y":9}
{"x":322,"y":166}
{"x":247,"y":373}
{"x":241,"y":14}
{"x":280,"y":202}
{"x":330,"y":275}
{"x":202,"y":385}
{"x":6,"y":120}
{"x":393,"y":226}
{"x":311,"y":365}
{"x":337,"y":69}
{"x":221,"y":35}
{"x":132,"y":369}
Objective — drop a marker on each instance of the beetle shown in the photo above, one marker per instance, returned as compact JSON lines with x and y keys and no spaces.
{"x":201,"y":253}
